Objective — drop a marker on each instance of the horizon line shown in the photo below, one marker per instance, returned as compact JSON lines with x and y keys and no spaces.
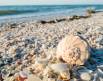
{"x":47,"y":4}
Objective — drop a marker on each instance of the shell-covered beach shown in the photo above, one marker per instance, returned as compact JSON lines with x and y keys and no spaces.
{"x":31,"y":47}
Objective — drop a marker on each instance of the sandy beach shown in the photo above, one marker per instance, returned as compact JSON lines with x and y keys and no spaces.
{"x":22,"y":43}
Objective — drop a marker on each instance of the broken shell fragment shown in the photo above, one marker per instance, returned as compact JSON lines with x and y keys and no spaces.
{"x":60,"y":67}
{"x":65,"y":75}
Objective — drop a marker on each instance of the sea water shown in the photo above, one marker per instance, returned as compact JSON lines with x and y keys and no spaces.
{"x":43,"y":11}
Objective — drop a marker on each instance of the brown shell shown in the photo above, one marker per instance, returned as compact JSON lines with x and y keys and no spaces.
{"x":73,"y":50}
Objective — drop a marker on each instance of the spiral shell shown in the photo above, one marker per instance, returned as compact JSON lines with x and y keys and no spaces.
{"x":73,"y":49}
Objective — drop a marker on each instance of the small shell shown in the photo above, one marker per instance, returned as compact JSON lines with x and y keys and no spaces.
{"x":65,"y":75}
{"x":85,"y":76}
{"x":42,"y":61}
{"x":73,"y":49}
{"x":84,"y":69}
{"x":10,"y":79}
{"x":60,"y":67}
{"x":46,"y":71}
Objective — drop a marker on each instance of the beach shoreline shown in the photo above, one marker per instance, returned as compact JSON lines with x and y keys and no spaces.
{"x":21,"y":42}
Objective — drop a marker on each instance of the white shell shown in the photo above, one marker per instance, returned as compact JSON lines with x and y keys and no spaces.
{"x":60,"y":67}
{"x":65,"y":75}
{"x":85,"y":76}
{"x":84,"y":69}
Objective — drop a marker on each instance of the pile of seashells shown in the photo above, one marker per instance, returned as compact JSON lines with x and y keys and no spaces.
{"x":70,"y":63}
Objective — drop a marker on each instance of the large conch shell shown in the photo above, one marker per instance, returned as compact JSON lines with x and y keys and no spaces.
{"x":73,"y":49}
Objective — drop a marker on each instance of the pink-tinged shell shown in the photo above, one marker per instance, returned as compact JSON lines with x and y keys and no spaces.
{"x":73,"y":49}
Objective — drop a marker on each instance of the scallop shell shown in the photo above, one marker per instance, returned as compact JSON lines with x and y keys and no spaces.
{"x":73,"y":49}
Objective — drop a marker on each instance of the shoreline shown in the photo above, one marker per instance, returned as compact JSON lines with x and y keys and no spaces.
{"x":40,"y":18}
{"x":22,"y":42}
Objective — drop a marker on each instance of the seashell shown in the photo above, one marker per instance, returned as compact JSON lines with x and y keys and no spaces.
{"x":46,"y":70}
{"x":49,"y":73}
{"x":12,"y":50}
{"x":32,"y":52}
{"x":39,"y":67}
{"x":9,"y":79}
{"x":84,"y":69}
{"x":85,"y":76}
{"x":73,"y":49}
{"x":60,"y":67}
{"x":65,"y":75}
{"x":42,"y":61}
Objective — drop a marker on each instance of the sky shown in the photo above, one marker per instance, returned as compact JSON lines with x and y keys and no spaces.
{"x":39,"y":2}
